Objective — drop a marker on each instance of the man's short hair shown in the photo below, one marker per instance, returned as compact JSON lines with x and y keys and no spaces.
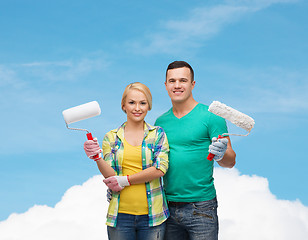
{"x":180,"y":64}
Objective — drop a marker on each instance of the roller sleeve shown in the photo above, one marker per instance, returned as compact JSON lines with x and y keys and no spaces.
{"x":81,"y":112}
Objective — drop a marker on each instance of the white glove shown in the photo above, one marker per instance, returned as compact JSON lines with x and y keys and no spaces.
{"x":218,"y":148}
{"x":92,"y":149}
{"x":117,"y":183}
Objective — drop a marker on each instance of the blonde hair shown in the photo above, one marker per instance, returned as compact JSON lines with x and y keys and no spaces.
{"x":140,"y":87}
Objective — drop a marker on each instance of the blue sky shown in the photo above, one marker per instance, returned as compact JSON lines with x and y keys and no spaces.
{"x":251,"y":55}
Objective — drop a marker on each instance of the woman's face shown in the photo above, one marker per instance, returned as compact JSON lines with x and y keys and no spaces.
{"x":136,"y":106}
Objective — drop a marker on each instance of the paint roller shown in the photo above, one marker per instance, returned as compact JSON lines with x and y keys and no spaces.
{"x":239,"y":119}
{"x":81,"y":112}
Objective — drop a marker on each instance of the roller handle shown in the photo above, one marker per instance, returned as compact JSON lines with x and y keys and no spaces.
{"x":211,"y":155}
{"x":89,"y":136}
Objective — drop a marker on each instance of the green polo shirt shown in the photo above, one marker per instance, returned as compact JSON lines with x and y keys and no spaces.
{"x":190,"y":174}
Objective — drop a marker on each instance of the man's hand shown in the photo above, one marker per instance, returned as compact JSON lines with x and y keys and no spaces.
{"x":92,"y":148}
{"x":218,"y":148}
{"x":117,"y":183}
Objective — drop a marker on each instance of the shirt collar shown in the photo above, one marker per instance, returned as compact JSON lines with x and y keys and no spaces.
{"x":147,"y":128}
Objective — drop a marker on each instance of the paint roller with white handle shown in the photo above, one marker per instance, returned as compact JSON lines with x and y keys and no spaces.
{"x":239,"y":119}
{"x":81,"y":112}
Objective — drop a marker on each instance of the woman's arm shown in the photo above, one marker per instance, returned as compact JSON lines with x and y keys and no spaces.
{"x":104,"y":164}
{"x":105,"y":168}
{"x":160,"y":161}
{"x":145,"y":175}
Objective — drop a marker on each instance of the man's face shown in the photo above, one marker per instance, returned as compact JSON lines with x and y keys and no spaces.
{"x":179,"y":85}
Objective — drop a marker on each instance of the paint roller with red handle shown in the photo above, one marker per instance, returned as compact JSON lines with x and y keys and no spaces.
{"x":81,"y":112}
{"x":239,"y":119}
{"x":89,"y":136}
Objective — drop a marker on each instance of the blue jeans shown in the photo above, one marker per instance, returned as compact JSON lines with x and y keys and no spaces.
{"x":193,"y":221}
{"x":135,"y":227}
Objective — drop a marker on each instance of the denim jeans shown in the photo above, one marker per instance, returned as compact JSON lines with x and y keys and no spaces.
{"x":193,"y":221}
{"x":135,"y":227}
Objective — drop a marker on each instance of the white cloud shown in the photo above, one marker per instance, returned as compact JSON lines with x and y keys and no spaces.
{"x":66,"y":70}
{"x":202,"y":24}
{"x":8,"y":78}
{"x":258,"y":4}
{"x":265,"y":90}
{"x":199,"y":25}
{"x":79,"y":215}
{"x":46,"y":64}
{"x":247,"y":210}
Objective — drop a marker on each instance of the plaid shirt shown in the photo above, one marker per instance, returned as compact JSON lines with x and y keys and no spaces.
{"x":155,"y":151}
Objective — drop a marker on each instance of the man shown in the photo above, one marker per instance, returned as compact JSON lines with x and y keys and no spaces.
{"x":192,"y":133}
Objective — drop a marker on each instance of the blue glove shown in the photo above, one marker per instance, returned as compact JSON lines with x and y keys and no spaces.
{"x":218,"y":148}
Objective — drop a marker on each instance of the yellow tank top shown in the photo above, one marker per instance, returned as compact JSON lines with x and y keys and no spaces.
{"x":133,"y":199}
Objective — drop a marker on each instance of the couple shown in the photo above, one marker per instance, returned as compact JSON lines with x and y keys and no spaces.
{"x":135,"y":157}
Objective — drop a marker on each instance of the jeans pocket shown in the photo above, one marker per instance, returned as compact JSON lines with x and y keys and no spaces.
{"x":207,"y":209}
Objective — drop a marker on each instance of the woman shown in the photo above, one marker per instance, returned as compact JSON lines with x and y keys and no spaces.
{"x":135,"y":157}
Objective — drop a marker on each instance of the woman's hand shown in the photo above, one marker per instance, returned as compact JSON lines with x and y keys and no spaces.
{"x":117,"y":183}
{"x":92,"y":148}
